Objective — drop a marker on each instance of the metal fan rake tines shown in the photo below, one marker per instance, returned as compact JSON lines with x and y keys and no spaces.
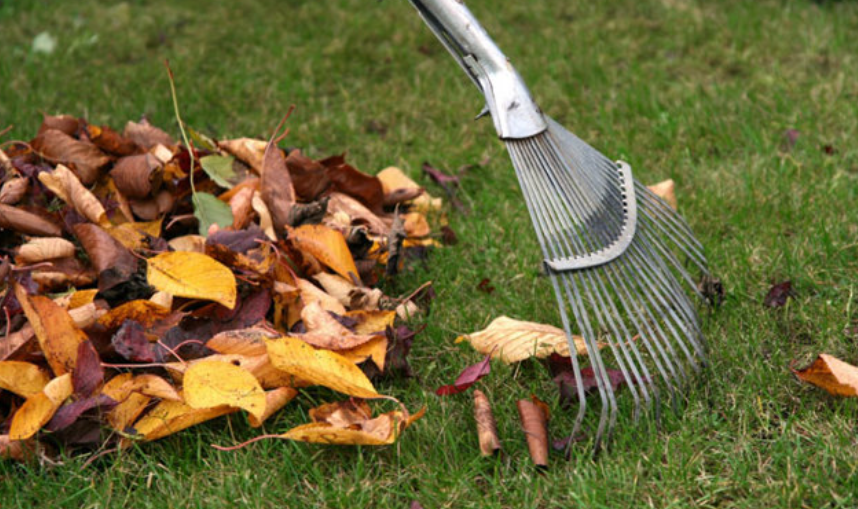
{"x":614,"y":251}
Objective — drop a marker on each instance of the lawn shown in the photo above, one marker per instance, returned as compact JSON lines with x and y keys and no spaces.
{"x":700,"y":92}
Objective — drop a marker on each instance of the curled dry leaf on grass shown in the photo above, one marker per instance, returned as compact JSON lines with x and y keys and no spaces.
{"x":830,"y":373}
{"x":177,"y":302}
{"x":513,"y":340}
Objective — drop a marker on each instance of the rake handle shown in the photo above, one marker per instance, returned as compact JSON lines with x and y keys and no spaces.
{"x":513,"y":110}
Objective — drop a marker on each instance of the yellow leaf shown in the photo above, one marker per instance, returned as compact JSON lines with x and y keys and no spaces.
{"x":82,"y":298}
{"x":372,"y":322}
{"x":152,"y":385}
{"x":130,"y":404}
{"x":515,"y":340}
{"x":241,"y":342}
{"x":319,"y":367}
{"x":351,"y":423}
{"x":22,"y":378}
{"x":274,"y":401}
{"x":39,"y":408}
{"x":170,"y":417}
{"x":145,"y":312}
{"x":832,"y":374}
{"x":375,"y":349}
{"x":192,"y":275}
{"x":58,"y":335}
{"x":326,"y":245}
{"x":209,"y":384}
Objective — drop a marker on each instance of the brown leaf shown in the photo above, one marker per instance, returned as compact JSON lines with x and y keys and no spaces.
{"x":348,"y":180}
{"x":356,"y":213}
{"x":15,"y":342}
{"x":146,"y":135}
{"x":68,"y":188}
{"x":778,"y":295}
{"x":534,"y":424}
{"x":84,"y":158}
{"x":110,"y":141}
{"x":248,"y":150}
{"x":64,"y":123}
{"x":241,"y":205}
{"x":21,"y":221}
{"x":137,"y":176}
{"x":45,"y":248}
{"x":832,"y":374}
{"x":665,"y":191}
{"x":58,"y":336}
{"x":309,"y":177}
{"x":115,"y":264}
{"x":276,"y":187}
{"x":87,"y":374}
{"x":13,"y":190}
{"x":486,"y":428}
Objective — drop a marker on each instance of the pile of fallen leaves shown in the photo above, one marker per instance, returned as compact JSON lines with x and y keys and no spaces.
{"x":147,"y":286}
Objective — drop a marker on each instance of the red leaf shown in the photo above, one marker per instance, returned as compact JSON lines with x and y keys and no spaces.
{"x":467,"y":378}
{"x":88,"y":373}
{"x":778,"y":295}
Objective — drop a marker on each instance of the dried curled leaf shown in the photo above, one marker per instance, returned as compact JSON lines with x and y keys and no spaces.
{"x":534,"y":423}
{"x":319,"y":367}
{"x":210,"y":384}
{"x":665,"y":191}
{"x":832,"y":374}
{"x":192,"y":275}
{"x":351,"y":423}
{"x":514,"y":340}
{"x":44,"y":248}
{"x":487,"y":432}
{"x":68,"y":187}
{"x":85,"y":158}
{"x":28,"y":223}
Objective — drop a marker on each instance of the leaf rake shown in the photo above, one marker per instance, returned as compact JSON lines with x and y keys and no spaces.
{"x":610,"y":245}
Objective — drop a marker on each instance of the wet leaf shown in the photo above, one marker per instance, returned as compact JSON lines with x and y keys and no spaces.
{"x":219,"y":169}
{"x":513,"y":340}
{"x":830,"y":373}
{"x":192,"y":275}
{"x":319,"y":367}
{"x":468,"y":377}
{"x":210,"y":384}
{"x":210,"y":211}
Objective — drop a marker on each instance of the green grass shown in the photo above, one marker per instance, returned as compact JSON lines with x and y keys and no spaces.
{"x":700,"y":92}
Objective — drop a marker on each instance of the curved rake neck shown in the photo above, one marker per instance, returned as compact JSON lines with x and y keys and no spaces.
{"x":513,"y":111}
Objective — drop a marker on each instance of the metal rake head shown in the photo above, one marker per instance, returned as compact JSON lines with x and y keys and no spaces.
{"x":610,"y":248}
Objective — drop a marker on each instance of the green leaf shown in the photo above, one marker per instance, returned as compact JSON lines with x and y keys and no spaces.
{"x":201,"y":140}
{"x":209,"y":210}
{"x":219,"y":168}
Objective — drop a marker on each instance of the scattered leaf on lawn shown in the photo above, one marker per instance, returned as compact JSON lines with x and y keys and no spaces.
{"x":832,"y":374}
{"x":467,"y":377}
{"x":22,"y":378}
{"x":534,"y":423}
{"x":487,"y":432}
{"x":40,"y":407}
{"x":192,"y":275}
{"x":665,"y":191}
{"x":319,"y":367}
{"x":514,"y":340}
{"x":778,"y":295}
{"x":210,"y":384}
